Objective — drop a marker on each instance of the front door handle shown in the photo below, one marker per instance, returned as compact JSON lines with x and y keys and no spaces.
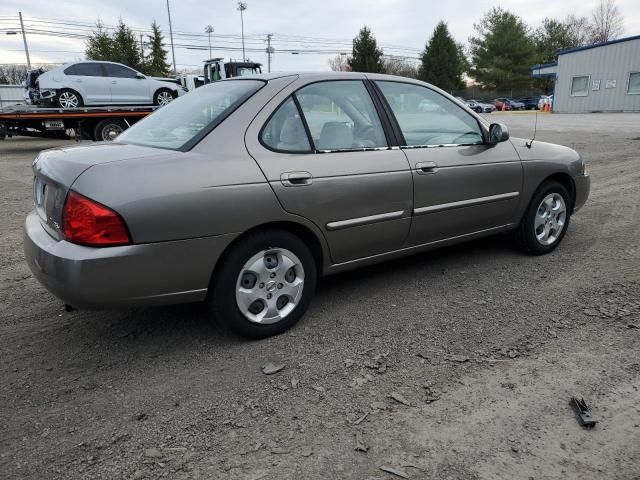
{"x":296,"y":179}
{"x":426,"y":168}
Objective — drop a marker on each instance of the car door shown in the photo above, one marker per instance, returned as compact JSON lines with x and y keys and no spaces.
{"x":326,"y":155}
{"x":462,"y":185}
{"x":126,"y":85}
{"x":89,"y":80}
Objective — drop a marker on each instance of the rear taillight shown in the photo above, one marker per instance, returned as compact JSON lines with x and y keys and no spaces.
{"x":86,"y":222}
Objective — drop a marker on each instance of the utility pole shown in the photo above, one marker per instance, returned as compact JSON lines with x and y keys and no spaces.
{"x":269,"y":51}
{"x":173,"y":52}
{"x":24,"y":38}
{"x":242,"y":6}
{"x":209,"y":29}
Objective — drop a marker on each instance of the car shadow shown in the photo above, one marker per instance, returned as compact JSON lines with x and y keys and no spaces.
{"x":178,"y":327}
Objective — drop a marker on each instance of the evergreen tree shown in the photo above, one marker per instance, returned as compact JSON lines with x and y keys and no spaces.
{"x":502,"y":51}
{"x":443,"y":60}
{"x":125,"y":47}
{"x":366,"y":56}
{"x":99,"y":46}
{"x":551,"y":37}
{"x":156,"y":62}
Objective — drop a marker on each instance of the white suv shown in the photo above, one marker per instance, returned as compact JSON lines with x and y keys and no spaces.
{"x":100,"y":83}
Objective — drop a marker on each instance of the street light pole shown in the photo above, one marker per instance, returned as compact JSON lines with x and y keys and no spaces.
{"x":24,"y":38}
{"x":242,"y":6}
{"x":209,"y":29}
{"x":173,"y":52}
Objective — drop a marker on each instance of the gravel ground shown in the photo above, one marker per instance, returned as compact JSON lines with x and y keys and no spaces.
{"x":456,"y":364}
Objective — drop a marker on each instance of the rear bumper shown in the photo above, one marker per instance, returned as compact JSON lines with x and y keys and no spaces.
{"x":132,"y":275}
{"x":583,"y":187}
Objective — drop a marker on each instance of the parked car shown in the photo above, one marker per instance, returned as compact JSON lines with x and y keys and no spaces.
{"x":531,"y":103}
{"x":502,"y":104}
{"x":98,"y":83}
{"x":245,"y":191}
{"x":480,"y":107}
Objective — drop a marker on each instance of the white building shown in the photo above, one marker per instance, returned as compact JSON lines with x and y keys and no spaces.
{"x":604,"y":77}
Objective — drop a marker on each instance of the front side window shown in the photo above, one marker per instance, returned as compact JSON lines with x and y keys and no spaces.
{"x":341,"y":115}
{"x":119,"y":71}
{"x":580,"y":86}
{"x":187,"y":119}
{"x":428,"y":118}
{"x":285,"y":131}
{"x":85,"y":69}
{"x":634,"y":83}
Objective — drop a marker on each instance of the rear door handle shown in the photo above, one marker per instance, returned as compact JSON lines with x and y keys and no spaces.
{"x":296,"y":179}
{"x":426,"y":168}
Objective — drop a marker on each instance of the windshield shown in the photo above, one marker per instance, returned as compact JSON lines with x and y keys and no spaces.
{"x":183,"y":122}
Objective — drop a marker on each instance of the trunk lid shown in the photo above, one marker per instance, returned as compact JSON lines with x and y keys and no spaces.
{"x":56,"y":170}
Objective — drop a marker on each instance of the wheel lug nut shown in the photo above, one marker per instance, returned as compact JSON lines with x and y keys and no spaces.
{"x":272,"y":275}
{"x":261,"y":285}
{"x":269,"y":295}
{"x":280,"y":285}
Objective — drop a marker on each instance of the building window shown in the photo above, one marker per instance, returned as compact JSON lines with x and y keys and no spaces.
{"x":633,"y":86}
{"x":580,"y":86}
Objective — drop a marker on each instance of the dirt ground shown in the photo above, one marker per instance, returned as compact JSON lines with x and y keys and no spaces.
{"x":456,"y":364}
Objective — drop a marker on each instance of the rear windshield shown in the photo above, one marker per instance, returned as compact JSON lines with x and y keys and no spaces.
{"x":186,"y":120}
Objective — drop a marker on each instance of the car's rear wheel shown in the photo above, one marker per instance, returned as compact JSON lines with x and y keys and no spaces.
{"x":107,"y":130}
{"x":163,"y":96}
{"x":263,"y":284}
{"x":68,"y":98}
{"x":546,"y":219}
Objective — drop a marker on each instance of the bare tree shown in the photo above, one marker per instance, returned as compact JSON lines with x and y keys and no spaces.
{"x":339,"y":63}
{"x":400,"y":66}
{"x":579,"y":30}
{"x":607,"y":22}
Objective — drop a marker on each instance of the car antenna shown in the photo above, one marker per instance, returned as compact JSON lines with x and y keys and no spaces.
{"x":535,"y":130}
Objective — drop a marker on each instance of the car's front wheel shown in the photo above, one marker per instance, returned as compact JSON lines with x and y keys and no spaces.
{"x":163,"y":97}
{"x":68,"y":98}
{"x":546,"y":219}
{"x":263,"y":284}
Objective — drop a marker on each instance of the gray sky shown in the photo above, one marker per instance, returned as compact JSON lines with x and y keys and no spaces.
{"x":303,"y":24}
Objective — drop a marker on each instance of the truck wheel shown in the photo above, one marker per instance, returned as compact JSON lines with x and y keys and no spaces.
{"x":108,"y":129}
{"x":163,"y":97}
{"x":67,"y":98}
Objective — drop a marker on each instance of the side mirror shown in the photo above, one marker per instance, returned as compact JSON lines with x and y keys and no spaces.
{"x":139,"y":75}
{"x":498,"y":132}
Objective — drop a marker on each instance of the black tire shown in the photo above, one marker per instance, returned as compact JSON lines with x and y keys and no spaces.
{"x":157,"y":97}
{"x":66,"y":95}
{"x":222,"y":291}
{"x":106,"y":130}
{"x":525,"y":235}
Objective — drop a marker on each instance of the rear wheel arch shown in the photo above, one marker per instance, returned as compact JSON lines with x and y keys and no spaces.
{"x":301,"y":231}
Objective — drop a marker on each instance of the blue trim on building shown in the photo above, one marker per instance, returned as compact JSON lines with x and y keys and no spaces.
{"x":596,"y":45}
{"x":544,"y":65}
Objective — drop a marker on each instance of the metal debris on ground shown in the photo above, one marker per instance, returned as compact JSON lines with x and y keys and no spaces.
{"x":394,"y":471}
{"x":582,"y":412}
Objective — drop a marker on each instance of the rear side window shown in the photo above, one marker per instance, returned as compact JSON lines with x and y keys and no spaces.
{"x":185,"y":121}
{"x":427,"y":118}
{"x":119,"y":71}
{"x":85,"y":69}
{"x":341,"y":115}
{"x":285,"y":130}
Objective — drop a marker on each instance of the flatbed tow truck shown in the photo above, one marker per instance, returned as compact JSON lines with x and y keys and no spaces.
{"x":94,"y":123}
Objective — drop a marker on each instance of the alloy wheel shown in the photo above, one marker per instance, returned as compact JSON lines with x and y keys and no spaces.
{"x":68,"y":100}
{"x":164,"y":98}
{"x":550,"y":219}
{"x":270,"y":285}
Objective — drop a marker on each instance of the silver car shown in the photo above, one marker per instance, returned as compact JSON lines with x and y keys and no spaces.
{"x":98,"y":83}
{"x":247,"y":190}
